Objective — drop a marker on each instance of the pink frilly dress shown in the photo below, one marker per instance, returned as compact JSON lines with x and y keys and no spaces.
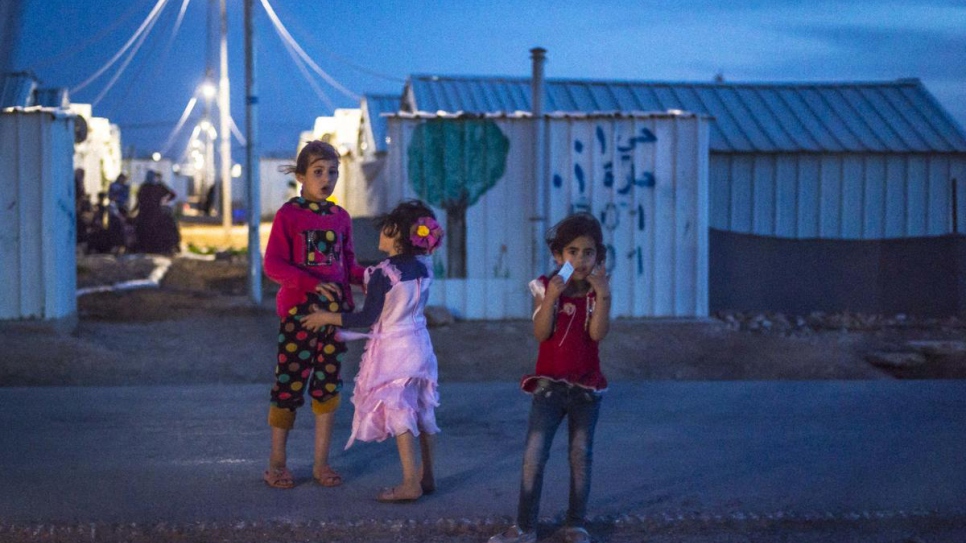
{"x":396,"y":387}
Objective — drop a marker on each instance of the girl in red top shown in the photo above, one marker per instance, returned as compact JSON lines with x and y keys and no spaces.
{"x":309,"y":253}
{"x":571,"y":316}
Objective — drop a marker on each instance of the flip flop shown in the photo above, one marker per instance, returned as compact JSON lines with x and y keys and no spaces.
{"x":278,"y":478}
{"x":388,"y":495}
{"x":328,"y":477}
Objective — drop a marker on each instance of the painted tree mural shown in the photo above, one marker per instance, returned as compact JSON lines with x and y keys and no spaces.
{"x":452,"y":163}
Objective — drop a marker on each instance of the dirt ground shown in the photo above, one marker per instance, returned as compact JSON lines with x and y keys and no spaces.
{"x":201,"y":315}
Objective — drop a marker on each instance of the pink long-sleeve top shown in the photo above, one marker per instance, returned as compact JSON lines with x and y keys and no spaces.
{"x":310,"y":243}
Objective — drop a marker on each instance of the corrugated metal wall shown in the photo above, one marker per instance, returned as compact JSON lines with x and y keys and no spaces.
{"x":38,"y":271}
{"x":644,"y":176}
{"x":838,"y":195}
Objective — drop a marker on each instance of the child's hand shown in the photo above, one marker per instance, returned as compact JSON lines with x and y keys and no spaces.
{"x":329,"y":290}
{"x":555,"y":288}
{"x":317,"y":320}
{"x":599,"y":281}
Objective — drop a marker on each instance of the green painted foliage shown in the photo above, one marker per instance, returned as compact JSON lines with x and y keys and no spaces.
{"x":452,"y":162}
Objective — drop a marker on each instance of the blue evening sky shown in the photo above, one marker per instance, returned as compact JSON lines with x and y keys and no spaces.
{"x":371,"y":46}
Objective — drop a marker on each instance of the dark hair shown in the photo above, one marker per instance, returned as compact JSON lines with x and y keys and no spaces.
{"x":401,"y":220}
{"x":312,"y":149}
{"x":571,"y":228}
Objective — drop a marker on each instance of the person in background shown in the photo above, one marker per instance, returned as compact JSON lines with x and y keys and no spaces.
{"x":119,"y":193}
{"x":155,"y":227}
{"x":83,"y":208}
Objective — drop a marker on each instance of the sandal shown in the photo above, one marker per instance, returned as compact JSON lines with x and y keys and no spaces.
{"x":389,"y":495}
{"x":327,"y":477}
{"x":278,"y":478}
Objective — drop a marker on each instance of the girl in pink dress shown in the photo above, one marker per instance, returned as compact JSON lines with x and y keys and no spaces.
{"x":395,"y":390}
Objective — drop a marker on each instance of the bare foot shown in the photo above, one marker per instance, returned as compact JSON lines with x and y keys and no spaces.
{"x":401,"y":493}
{"x":427,"y":482}
{"x":326,"y":476}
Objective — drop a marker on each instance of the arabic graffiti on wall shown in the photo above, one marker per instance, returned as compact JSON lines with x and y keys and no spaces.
{"x":623,"y":171}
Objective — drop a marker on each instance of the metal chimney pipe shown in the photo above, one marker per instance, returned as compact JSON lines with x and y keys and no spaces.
{"x":539,"y":56}
{"x":537,"y":197}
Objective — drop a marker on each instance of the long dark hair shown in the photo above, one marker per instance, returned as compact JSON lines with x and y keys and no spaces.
{"x":401,"y":220}
{"x":571,"y":228}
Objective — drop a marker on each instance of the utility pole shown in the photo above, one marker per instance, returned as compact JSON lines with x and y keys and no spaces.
{"x":251,"y":160}
{"x":225,"y":127}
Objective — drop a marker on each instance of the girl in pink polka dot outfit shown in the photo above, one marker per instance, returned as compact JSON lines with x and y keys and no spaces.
{"x":309,"y":253}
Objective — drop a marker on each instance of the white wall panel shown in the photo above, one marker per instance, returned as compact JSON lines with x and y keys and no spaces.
{"x":853,"y":197}
{"x":896,"y":207}
{"x":957,"y":172}
{"x":938,"y":200}
{"x":875,"y":198}
{"x":719,"y":183}
{"x":786,"y":191}
{"x":917,"y":197}
{"x":742,"y":202}
{"x":763,"y":188}
{"x":37,"y":217}
{"x":808,"y":196}
{"x":830,"y":197}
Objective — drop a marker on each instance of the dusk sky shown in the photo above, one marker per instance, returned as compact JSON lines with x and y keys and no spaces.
{"x":371,"y":47}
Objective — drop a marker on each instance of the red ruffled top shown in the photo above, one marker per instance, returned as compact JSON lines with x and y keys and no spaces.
{"x":569,"y":354}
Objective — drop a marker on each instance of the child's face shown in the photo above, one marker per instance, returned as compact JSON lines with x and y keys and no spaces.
{"x":387,"y":243}
{"x":318,"y":181}
{"x":582,"y":255}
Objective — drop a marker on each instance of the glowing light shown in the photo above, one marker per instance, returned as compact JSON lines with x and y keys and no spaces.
{"x":156,"y":156}
{"x":236,"y":170}
{"x":208,"y":90}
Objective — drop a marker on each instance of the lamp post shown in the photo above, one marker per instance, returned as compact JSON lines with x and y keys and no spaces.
{"x":208,"y":92}
{"x":251,"y":160}
{"x":224,"y":114}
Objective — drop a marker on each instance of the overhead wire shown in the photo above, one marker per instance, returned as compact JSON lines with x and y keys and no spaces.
{"x":344,"y":60}
{"x":236,"y":132}
{"x":127,"y":61}
{"x":184,"y":117}
{"x":177,"y":23}
{"x":151,"y":16}
{"x":308,"y":77}
{"x":281,"y":30}
{"x":135,"y":86}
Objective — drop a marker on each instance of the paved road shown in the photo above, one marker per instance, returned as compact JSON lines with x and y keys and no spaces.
{"x":876,"y":453}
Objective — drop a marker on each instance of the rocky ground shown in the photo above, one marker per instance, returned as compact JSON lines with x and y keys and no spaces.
{"x":201,"y":310}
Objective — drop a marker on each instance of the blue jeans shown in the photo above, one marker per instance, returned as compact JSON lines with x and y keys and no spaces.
{"x":552,"y":401}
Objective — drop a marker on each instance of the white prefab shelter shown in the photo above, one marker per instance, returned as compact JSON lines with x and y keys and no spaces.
{"x":99,"y":154}
{"x":797,"y":173}
{"x":643,"y":175}
{"x":38,"y":275}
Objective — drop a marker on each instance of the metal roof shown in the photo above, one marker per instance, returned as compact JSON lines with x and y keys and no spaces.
{"x":373,"y":107}
{"x":17,"y":89}
{"x":54,"y":97}
{"x":884,"y":116}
